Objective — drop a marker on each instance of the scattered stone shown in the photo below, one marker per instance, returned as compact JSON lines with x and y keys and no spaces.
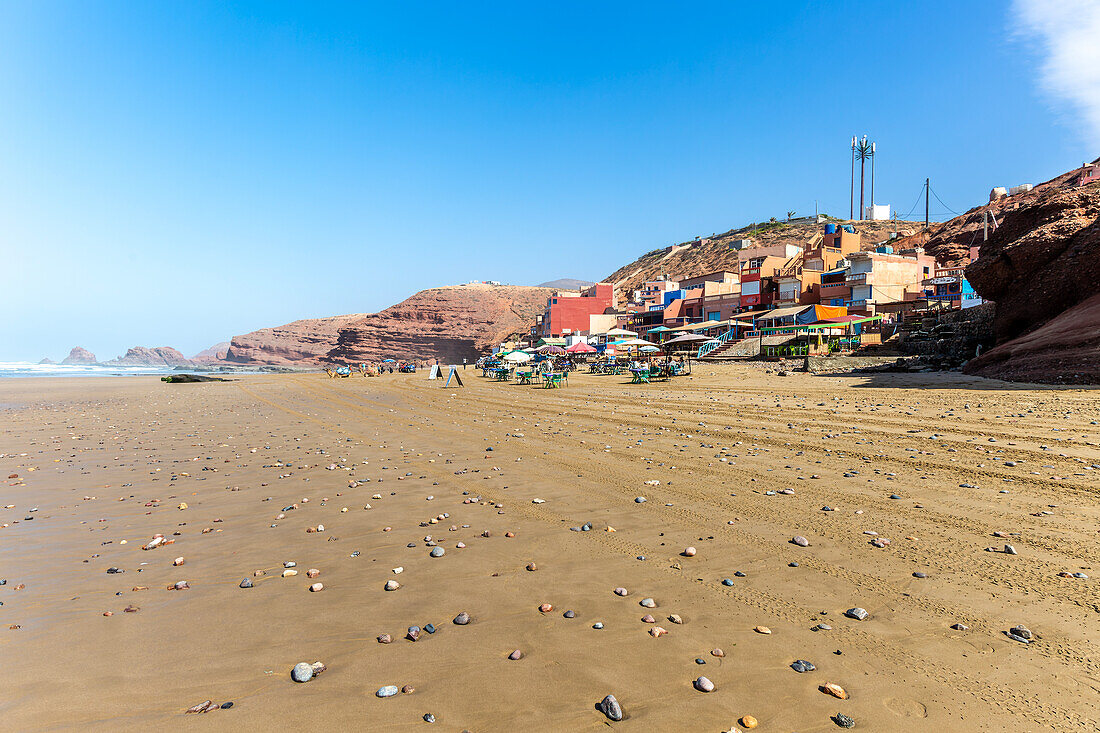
{"x":835,"y":690}
{"x":800,"y":541}
{"x":658,"y":631}
{"x":246,"y":583}
{"x":727,"y":581}
{"x":1010,"y":550}
{"x":960,"y":627}
{"x":384,"y":638}
{"x":437,"y":552}
{"x":762,"y":629}
{"x":610,"y":707}
{"x":648,"y":619}
{"x":517,"y":654}
{"x":387,"y":691}
{"x":748,"y":721}
{"x":844,"y":721}
{"x":392,"y":585}
{"x":675,"y":618}
{"x":702,"y":684}
{"x":316,"y":588}
{"x":647,"y":603}
{"x":717,"y":653}
{"x":598,"y":625}
{"x":801,"y":665}
{"x":858,"y":614}
{"x":532,"y":567}
{"x":546,"y":608}
{"x":621,"y":591}
{"x":302,"y":672}
{"x":462,"y":619}
{"x":920,"y":575}
{"x":688,"y":552}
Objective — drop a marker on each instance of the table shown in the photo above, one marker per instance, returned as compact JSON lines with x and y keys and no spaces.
{"x":524,"y":377}
{"x":641,"y":376}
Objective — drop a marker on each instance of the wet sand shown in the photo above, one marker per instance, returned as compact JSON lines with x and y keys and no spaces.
{"x":112,"y":460}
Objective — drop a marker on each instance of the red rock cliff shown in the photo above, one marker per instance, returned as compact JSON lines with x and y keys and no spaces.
{"x":448,"y":323}
{"x":158,"y":356}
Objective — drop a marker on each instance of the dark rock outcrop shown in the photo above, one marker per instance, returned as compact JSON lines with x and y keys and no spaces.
{"x":1043,"y":259}
{"x":79,"y":355}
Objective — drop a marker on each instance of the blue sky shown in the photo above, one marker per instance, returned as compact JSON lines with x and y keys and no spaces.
{"x":176,"y":173}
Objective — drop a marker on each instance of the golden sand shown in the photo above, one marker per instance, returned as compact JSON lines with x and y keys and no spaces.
{"x":108,"y":461}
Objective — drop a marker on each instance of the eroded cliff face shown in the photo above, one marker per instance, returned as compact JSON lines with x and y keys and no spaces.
{"x":1042,"y":268}
{"x":1043,"y":259}
{"x":157,"y":356}
{"x":449,"y":324}
{"x":213,"y":355}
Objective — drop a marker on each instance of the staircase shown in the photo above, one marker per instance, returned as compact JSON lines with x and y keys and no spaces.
{"x":745,"y":348}
{"x":715,"y":344}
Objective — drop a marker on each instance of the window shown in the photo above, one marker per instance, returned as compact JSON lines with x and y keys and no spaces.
{"x":926,"y":271}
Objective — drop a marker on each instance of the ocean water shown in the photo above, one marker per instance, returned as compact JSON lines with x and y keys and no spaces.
{"x":30,"y":369}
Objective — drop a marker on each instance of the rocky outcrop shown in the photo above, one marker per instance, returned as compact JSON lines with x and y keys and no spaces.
{"x":448,"y":324}
{"x":213,"y":355}
{"x":1043,"y":259}
{"x":159,"y":356}
{"x":47,"y":360}
{"x":79,"y":355}
{"x":302,"y":342}
{"x":950,"y":241}
{"x":1066,"y":350}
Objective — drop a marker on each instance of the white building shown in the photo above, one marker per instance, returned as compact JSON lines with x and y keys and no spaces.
{"x":877,"y":212}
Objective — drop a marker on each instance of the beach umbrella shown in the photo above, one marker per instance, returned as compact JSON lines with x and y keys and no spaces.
{"x":553,"y":350}
{"x":687,"y":339}
{"x":389,"y":361}
{"x":581,"y":348}
{"x":620,"y":332}
{"x":517,"y":357}
{"x":650,"y":349}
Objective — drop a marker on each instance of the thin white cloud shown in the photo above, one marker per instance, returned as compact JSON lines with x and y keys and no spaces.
{"x":1068,"y":33}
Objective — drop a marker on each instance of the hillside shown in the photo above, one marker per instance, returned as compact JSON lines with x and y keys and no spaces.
{"x":951,"y":240}
{"x":447,"y":323}
{"x":713,"y":253}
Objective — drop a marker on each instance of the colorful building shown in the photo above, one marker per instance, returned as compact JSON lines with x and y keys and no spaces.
{"x":569,"y":312}
{"x":877,"y":278}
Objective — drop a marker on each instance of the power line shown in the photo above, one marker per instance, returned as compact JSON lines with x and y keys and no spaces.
{"x":941,"y":202}
{"x":915,"y":203}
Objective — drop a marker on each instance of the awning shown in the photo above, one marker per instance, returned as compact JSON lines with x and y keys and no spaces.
{"x":659,"y":329}
{"x":820,"y":312}
{"x":778,"y":313}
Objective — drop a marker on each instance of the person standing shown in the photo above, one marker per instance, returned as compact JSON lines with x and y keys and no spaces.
{"x":464,"y":363}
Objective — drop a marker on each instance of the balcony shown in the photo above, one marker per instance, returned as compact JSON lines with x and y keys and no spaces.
{"x":859,"y":278}
{"x":859,"y":304}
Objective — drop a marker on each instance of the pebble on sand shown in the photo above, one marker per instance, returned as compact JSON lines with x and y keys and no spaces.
{"x":610,"y":707}
{"x":800,"y":541}
{"x":392,"y":585}
{"x":689,"y":552}
{"x":857,"y":613}
{"x":621,"y":591}
{"x":647,"y":603}
{"x":702,"y":684}
{"x":246,"y":583}
{"x":748,"y":721}
{"x":387,"y":691}
{"x":462,"y":619}
{"x":835,"y":690}
{"x":546,"y":608}
{"x":844,"y":721}
{"x":517,"y":654}
{"x":437,"y":552}
{"x":658,"y":631}
{"x":316,"y":588}
{"x":302,"y":672}
{"x":761,"y":629}
{"x":801,"y":665}
{"x":384,"y":638}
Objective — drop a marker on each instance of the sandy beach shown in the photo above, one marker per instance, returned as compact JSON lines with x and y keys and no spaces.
{"x":730,"y":461}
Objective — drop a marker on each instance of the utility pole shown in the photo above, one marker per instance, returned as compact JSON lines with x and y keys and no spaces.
{"x":851,"y":205}
{"x":862,"y":163}
{"x":926,"y":203}
{"x":872,"y":179}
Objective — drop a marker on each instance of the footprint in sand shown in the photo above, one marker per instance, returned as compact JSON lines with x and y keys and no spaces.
{"x":905,"y":707}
